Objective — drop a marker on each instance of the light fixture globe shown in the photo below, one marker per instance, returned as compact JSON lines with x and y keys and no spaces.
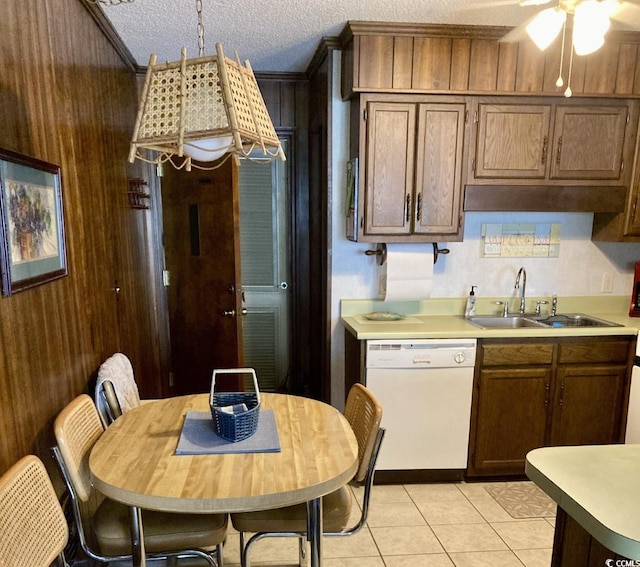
{"x":208,"y":149}
{"x":546,"y":26}
{"x":590,"y":23}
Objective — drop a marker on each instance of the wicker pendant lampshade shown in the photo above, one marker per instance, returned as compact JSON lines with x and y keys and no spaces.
{"x":202,"y":109}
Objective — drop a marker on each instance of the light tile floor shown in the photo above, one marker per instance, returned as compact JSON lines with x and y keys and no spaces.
{"x":421,"y":525}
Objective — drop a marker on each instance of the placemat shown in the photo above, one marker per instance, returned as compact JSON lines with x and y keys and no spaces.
{"x":199,"y":438}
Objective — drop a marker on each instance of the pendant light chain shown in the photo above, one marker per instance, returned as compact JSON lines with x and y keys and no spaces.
{"x":200,"y":28}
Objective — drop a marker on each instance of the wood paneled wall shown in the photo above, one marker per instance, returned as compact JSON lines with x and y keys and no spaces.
{"x":67,"y":97}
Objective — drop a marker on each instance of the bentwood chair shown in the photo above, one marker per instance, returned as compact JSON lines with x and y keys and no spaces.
{"x":116,"y":388}
{"x":33,"y":529}
{"x":364,"y":414}
{"x":104,"y":526}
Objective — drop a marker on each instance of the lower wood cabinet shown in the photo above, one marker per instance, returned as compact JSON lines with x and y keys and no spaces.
{"x":538,"y":392}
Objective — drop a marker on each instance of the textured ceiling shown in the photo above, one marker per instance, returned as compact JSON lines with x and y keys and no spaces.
{"x":282,"y":35}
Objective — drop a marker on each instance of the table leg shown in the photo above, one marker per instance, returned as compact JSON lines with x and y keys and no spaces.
{"x":137,"y":537}
{"x":315,"y":528}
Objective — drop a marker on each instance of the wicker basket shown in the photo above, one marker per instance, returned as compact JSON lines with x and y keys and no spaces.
{"x":235,"y":426}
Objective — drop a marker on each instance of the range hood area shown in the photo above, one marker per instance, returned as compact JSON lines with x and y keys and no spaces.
{"x":545,"y":198}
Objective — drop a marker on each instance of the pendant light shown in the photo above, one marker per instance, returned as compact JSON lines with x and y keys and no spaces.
{"x":202,"y":110}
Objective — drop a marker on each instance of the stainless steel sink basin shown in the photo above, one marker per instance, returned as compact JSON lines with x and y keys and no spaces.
{"x":518,"y":321}
{"x":509,"y":322}
{"x":564,"y":320}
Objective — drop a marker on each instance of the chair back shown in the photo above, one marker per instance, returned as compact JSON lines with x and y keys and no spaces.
{"x":364,"y":414}
{"x":77,"y":428}
{"x":32,"y":523}
{"x":116,"y":388}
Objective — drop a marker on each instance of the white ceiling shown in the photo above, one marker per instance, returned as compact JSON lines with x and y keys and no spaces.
{"x":282,"y":35}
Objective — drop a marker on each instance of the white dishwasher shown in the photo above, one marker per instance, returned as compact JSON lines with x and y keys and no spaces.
{"x":424,"y":387}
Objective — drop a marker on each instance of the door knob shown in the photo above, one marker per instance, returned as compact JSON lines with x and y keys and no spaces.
{"x":283,"y":285}
{"x":232,"y":312}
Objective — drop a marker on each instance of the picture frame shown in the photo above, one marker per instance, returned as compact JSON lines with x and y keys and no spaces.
{"x":32,"y":242}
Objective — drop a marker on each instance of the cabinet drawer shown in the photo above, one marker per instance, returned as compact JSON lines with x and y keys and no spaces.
{"x":596,"y":350}
{"x":509,"y":354}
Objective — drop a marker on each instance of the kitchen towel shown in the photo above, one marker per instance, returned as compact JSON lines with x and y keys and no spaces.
{"x":199,"y":438}
{"x":409,"y":272}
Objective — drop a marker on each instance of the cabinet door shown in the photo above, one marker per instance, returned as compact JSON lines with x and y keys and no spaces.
{"x":632,"y":214}
{"x":512,"y":141}
{"x":588,"y":405}
{"x":439,"y":168}
{"x":390,"y":150}
{"x":510,"y":419}
{"x":588,"y":142}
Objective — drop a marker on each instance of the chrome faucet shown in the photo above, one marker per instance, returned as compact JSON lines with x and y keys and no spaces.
{"x":522,"y":272}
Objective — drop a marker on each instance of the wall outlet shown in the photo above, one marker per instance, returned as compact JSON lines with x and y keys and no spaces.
{"x":606,"y":285}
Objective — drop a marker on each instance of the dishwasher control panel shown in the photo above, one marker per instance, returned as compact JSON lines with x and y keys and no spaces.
{"x":421,"y":353}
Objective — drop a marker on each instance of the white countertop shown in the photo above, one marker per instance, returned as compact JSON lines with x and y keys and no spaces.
{"x":442,"y":318}
{"x":598,"y":486}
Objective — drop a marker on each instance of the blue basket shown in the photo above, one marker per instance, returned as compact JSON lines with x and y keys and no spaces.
{"x":235,"y":426}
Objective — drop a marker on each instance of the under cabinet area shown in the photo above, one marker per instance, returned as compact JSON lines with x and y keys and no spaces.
{"x":539,"y":392}
{"x":410,"y":151}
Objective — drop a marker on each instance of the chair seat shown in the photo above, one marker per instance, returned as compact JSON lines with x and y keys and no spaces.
{"x":162,"y":531}
{"x":336,"y":509}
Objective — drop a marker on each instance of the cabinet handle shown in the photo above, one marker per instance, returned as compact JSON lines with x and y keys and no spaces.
{"x":545,"y":147}
{"x":559,"y":152}
{"x":561,"y":401}
{"x":419,"y":207}
{"x":407,"y":214}
{"x":547,"y":389}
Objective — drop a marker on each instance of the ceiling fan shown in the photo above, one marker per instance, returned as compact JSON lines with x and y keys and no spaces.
{"x":589,"y":21}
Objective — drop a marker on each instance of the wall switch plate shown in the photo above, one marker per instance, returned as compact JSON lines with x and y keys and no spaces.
{"x":607,"y":283}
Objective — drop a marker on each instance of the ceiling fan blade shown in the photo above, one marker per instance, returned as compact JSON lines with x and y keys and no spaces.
{"x":533,"y":2}
{"x":627,"y":14}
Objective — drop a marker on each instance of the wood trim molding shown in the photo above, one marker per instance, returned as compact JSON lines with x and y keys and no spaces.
{"x":110,"y":33}
{"x":451,"y":31}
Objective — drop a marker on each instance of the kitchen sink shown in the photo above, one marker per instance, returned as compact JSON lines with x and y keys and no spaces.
{"x":509,"y":322}
{"x":560,"y":321}
{"x":575,"y":320}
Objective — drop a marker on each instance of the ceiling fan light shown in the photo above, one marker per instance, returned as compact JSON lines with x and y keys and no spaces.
{"x":546,"y":26}
{"x":590,"y":24}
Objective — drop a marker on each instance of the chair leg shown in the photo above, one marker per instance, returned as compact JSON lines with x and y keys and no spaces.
{"x":219,"y":555}
{"x":172,"y":561}
{"x":302,"y":551}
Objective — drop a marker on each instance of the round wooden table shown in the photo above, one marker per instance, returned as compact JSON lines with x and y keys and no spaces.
{"x":135,"y":462}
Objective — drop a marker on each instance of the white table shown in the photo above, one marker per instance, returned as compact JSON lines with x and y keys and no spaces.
{"x":598,"y":486}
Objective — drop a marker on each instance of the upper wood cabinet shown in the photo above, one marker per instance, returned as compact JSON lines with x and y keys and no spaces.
{"x":512,"y":141}
{"x":588,"y":141}
{"x":555,"y":142}
{"x":410,"y":169}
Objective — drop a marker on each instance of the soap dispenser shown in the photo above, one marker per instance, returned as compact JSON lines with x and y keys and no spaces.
{"x":470,"y":309}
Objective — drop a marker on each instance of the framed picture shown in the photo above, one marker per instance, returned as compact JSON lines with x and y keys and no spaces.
{"x":32,"y":248}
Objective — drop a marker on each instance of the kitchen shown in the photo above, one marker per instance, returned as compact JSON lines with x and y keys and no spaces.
{"x":497,"y":275}
{"x":73,"y":346}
